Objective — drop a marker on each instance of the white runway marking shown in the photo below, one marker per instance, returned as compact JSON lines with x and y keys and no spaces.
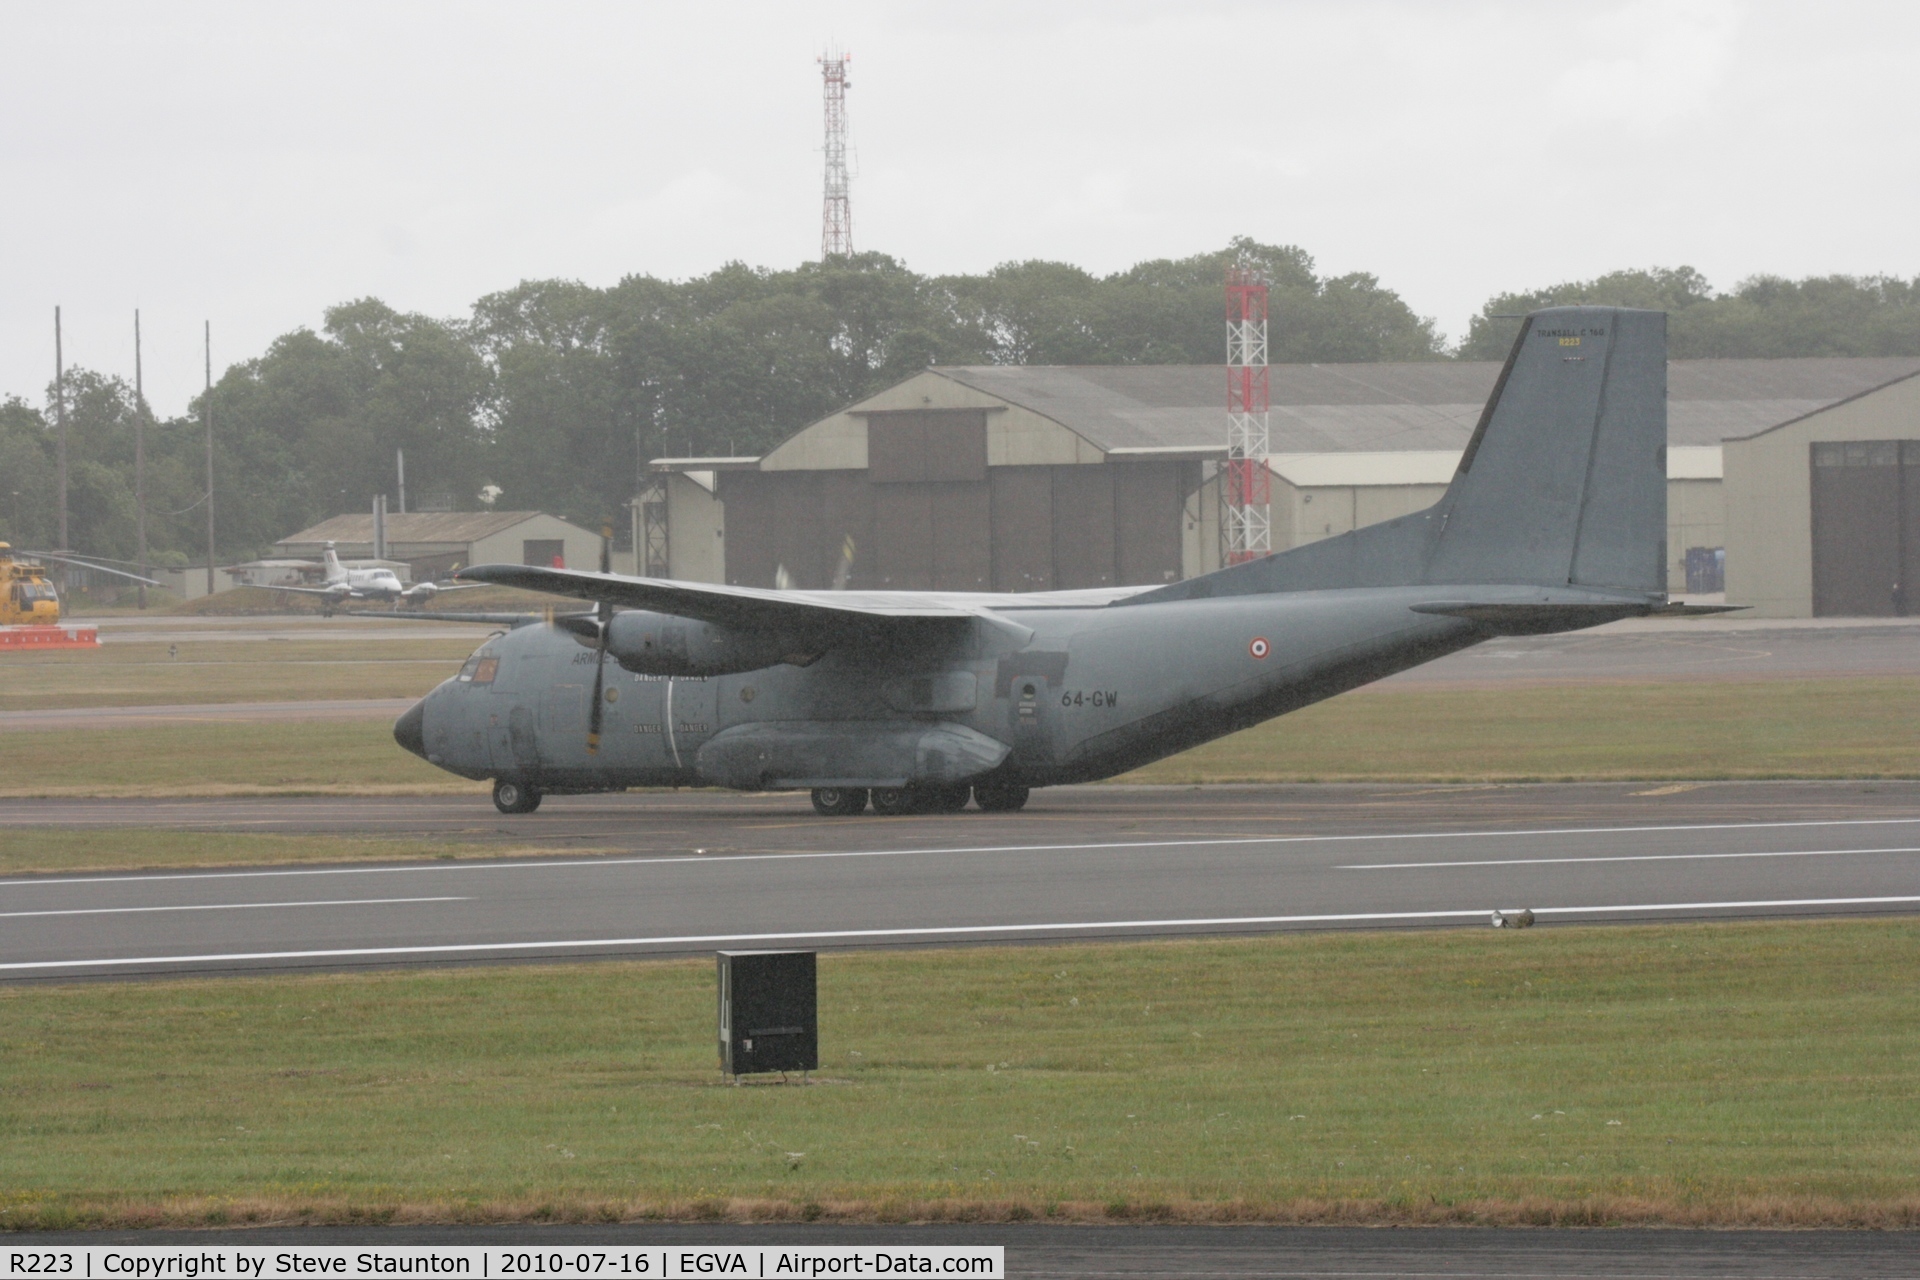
{"x":947,"y":931}
{"x":218,"y":906}
{"x":1619,"y":857}
{"x":720,"y":860}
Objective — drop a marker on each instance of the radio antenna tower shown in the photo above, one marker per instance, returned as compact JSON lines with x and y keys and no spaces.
{"x":1246,"y":489}
{"x":836,"y":214}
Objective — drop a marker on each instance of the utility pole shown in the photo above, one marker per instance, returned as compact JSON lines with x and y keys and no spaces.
{"x":60,"y":418}
{"x":139,"y":458}
{"x":206,"y":413}
{"x":836,"y":215}
{"x":400,"y":469}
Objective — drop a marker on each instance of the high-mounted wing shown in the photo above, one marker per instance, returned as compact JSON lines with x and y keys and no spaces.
{"x":491,"y":619}
{"x":752,"y":609}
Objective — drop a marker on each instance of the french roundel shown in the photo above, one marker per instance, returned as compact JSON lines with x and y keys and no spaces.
{"x":1259,"y":648}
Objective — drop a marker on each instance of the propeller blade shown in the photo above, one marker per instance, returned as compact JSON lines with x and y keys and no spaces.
{"x":596,"y":717}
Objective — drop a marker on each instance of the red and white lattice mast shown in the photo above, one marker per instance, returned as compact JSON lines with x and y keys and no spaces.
{"x":836,"y":214}
{"x":1246,"y":514}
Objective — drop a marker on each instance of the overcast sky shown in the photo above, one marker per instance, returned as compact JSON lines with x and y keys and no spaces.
{"x":252,"y":164}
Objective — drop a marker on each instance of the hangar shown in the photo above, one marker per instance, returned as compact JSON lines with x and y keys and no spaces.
{"x":1823,"y":510}
{"x":1007,"y":478}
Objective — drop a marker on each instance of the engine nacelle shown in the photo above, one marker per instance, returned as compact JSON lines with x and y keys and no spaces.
{"x":658,"y":644}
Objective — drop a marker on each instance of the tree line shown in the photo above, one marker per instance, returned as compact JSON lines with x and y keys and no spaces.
{"x":557,"y":393}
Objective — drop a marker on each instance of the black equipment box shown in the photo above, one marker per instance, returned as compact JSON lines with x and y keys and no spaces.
{"x":769,"y":1018}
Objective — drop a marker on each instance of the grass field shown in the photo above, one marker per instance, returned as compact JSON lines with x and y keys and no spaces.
{"x":131,"y":675}
{"x":52,"y":849}
{"x":353,"y":757}
{"x":1851,"y":728}
{"x":1733,"y":1073}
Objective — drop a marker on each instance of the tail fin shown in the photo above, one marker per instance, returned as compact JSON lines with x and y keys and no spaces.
{"x":1563,"y":483}
{"x":335,"y":571}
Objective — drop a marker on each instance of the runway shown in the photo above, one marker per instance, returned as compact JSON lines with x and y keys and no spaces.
{"x":696,"y":872}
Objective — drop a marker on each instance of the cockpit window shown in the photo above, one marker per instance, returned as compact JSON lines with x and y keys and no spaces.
{"x":480,"y":668}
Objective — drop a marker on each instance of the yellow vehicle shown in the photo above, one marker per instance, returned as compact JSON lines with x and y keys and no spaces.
{"x":27,"y":597}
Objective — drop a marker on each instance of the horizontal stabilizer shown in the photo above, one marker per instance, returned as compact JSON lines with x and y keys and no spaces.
{"x":1532,"y":618}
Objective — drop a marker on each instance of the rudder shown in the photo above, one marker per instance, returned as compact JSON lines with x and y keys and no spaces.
{"x":1564,"y":481}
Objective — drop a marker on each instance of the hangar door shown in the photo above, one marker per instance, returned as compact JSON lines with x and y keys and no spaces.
{"x":1866,"y":527}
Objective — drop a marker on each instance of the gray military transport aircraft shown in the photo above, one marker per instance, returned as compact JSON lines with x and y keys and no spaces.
{"x":1555,"y":520}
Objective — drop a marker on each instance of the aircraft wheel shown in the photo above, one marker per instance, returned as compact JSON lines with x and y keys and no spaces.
{"x":515,"y":797}
{"x":893,"y":801}
{"x":839,"y":802}
{"x":1004,"y":798}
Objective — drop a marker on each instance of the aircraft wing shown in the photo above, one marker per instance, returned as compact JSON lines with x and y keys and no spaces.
{"x":312,"y":591}
{"x":749,"y":608}
{"x":491,"y":619}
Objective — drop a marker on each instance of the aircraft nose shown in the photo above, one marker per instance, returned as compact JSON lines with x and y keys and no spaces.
{"x":410,"y":730}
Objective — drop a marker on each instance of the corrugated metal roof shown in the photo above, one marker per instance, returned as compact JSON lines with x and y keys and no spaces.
{"x":1399,"y":406}
{"x":422,"y":526}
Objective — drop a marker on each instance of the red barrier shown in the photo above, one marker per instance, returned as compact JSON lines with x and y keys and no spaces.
{"x":48,"y":638}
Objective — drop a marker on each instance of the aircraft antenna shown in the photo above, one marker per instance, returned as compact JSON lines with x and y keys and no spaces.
{"x":836,"y":214}
{"x":1245,"y":491}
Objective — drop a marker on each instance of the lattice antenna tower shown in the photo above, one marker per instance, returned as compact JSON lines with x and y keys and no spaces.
{"x":1246,"y":489}
{"x":836,"y":213}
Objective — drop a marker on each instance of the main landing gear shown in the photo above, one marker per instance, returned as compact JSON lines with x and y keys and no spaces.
{"x":515,"y":797}
{"x":839,"y":802}
{"x":844,"y":802}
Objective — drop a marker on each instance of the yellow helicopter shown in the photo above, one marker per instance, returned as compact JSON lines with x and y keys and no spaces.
{"x":30,"y":607}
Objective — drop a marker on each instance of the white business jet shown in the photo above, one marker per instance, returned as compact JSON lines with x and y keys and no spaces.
{"x":344,"y":584}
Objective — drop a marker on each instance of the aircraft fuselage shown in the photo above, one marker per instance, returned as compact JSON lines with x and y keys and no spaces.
{"x":1094,"y":692}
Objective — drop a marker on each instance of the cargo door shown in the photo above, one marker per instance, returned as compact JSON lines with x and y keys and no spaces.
{"x":1030,"y":682}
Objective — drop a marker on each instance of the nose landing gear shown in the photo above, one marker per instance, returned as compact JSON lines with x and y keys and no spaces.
{"x":515,"y":797}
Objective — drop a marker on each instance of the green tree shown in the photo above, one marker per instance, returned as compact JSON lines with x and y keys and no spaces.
{"x":1765,"y":316}
{"x":1669,"y":289}
{"x":27,"y":497}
